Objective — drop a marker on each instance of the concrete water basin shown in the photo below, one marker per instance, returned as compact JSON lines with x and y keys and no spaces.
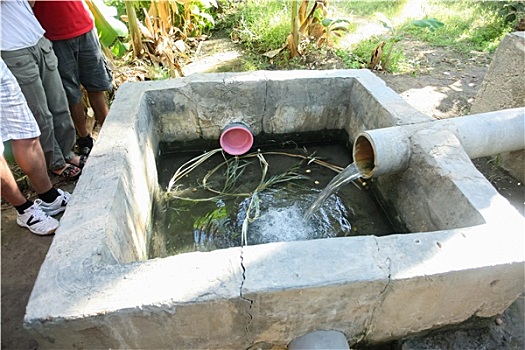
{"x":463,"y":256}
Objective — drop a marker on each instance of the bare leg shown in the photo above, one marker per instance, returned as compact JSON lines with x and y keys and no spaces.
{"x":30,"y":158}
{"x":34,"y":217}
{"x":97,"y":99}
{"x":10,"y":190}
{"x":79,"y":118}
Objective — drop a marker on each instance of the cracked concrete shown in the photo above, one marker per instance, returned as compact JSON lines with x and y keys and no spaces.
{"x":116,"y":298}
{"x":248,"y":340}
{"x":381,"y":298}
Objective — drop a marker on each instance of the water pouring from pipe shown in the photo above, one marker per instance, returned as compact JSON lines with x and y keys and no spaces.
{"x":350,"y":173}
{"x":386,"y":151}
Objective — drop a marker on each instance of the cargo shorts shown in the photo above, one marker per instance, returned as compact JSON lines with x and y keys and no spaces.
{"x":81,"y":62}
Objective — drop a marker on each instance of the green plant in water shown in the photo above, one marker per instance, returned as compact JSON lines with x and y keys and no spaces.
{"x":210,"y":228}
{"x":235,"y":168}
{"x":253,"y":210}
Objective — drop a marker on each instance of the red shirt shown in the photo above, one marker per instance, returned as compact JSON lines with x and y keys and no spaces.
{"x":63,"y":19}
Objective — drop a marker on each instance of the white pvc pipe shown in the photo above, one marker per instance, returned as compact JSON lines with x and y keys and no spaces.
{"x":382,"y":151}
{"x":488,"y":134}
{"x":320,"y":340}
{"x":387,"y":151}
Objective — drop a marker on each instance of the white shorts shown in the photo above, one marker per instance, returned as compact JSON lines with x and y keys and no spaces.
{"x":16,"y":120}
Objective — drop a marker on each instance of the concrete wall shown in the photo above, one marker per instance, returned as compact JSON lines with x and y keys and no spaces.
{"x":200,"y":106}
{"x":96,"y":290}
{"x":504,"y":87}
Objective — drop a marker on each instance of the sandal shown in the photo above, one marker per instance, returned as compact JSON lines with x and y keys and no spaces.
{"x":82,"y":160}
{"x":85,"y":144}
{"x":69,"y":172}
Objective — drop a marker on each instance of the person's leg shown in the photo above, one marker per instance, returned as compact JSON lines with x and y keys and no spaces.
{"x":29,"y":214}
{"x":56,"y":99}
{"x":67,"y":52}
{"x":24,"y":67}
{"x":10,"y":190}
{"x":78,"y":114}
{"x":95,"y":74}
{"x":30,"y":158}
{"x":53,"y":155}
{"x":18,"y":125}
{"x":97,"y":99}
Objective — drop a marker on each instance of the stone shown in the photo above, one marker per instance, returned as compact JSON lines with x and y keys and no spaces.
{"x":503,"y":88}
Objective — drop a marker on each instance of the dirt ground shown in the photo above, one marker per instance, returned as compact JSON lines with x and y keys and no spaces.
{"x":443,"y":86}
{"x":22,"y":254}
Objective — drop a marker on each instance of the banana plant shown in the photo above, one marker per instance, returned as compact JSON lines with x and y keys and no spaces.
{"x":160,"y":38}
{"x":111,"y":31}
{"x":328,"y":28}
{"x":310,"y":21}
{"x":155,"y":30}
{"x":136,"y":40}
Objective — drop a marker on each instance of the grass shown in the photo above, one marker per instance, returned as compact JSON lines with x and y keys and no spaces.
{"x":260,"y":25}
{"x":263,"y":25}
{"x":367,"y":9}
{"x":469,"y":25}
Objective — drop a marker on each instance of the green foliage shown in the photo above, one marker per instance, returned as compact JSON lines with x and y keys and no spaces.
{"x":396,"y":35}
{"x":259,"y":24}
{"x":201,"y":17}
{"x":350,"y":61}
{"x":367,"y":9}
{"x":470,"y":25}
{"x":431,"y":23}
{"x":118,"y":5}
{"x":360,"y":56}
{"x":264,"y":25}
{"x":334,"y":28}
{"x":512,"y":11}
{"x":202,"y":11}
{"x":112,"y":31}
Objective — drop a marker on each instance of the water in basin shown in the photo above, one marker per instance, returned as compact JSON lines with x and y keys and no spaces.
{"x":209,"y":221}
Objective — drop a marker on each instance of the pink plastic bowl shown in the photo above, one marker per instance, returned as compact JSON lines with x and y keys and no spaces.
{"x":236,"y":140}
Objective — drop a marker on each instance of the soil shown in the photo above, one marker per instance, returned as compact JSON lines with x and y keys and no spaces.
{"x":443,"y":84}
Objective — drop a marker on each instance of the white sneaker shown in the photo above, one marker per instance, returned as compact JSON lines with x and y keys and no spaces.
{"x":36,"y":220}
{"x":58,"y":205}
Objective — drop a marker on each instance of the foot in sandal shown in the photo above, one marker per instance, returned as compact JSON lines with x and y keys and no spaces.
{"x":69,"y":172}
{"x":78,"y":161}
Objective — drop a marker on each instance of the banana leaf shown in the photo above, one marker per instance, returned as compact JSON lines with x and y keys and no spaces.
{"x":110,"y":29}
{"x":430,"y":23}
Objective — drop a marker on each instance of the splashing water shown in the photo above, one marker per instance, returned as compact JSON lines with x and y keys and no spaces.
{"x":350,"y":173}
{"x":281,"y":217}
